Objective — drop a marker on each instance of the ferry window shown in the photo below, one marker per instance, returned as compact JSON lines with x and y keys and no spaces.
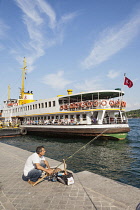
{"x":61,"y":116}
{"x":56,"y":117}
{"x":30,"y":107}
{"x":71,"y":116}
{"x":42,"y":105}
{"x":66,"y":116}
{"x":84,"y":117}
{"x":39,"y":106}
{"x":46,"y":104}
{"x":78,"y":116}
{"x":49,"y":103}
{"x":53,"y":103}
{"x":44,"y":117}
{"x":48,"y":117}
{"x":35,"y":106}
{"x":52,"y":117}
{"x":60,"y":102}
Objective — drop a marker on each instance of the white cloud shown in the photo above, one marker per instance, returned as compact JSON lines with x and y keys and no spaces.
{"x":3,"y":29}
{"x":56,"y":81}
{"x":113,"y":74}
{"x":112,"y":41}
{"x":29,"y":10}
{"x":46,"y":8}
{"x":3,"y":33}
{"x":67,"y":17}
{"x":43,"y":28}
{"x":89,"y":84}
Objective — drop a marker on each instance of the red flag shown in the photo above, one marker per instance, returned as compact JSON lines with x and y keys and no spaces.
{"x":128,"y":82}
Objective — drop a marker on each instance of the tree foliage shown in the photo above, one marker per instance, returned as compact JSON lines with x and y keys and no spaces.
{"x":133,"y":113}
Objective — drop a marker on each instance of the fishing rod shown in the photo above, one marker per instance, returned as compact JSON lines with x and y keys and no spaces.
{"x":64,"y":160}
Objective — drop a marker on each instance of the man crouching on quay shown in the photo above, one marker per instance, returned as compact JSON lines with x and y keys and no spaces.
{"x":35,"y":165}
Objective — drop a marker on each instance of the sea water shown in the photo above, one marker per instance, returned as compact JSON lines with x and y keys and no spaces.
{"x":118,"y":160}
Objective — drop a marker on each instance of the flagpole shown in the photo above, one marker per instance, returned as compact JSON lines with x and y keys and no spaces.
{"x":123,"y":85}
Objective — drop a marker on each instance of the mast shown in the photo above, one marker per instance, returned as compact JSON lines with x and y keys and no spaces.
{"x":9,"y":92}
{"x":23,"y":77}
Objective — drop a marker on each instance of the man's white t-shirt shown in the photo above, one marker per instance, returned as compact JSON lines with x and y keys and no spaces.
{"x":30,"y":163}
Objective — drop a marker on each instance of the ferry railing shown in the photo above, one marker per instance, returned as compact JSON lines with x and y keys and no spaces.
{"x":114,"y":120}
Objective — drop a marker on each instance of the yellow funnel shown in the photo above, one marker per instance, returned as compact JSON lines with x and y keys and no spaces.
{"x":69,"y":91}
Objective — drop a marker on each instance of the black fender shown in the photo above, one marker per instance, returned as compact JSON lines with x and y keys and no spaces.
{"x":23,"y":131}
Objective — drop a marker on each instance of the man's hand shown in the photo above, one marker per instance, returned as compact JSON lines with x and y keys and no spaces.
{"x":49,"y":171}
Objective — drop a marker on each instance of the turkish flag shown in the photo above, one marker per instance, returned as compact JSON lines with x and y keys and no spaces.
{"x":128,"y":82}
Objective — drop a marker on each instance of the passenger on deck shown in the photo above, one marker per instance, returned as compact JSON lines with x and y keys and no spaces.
{"x":35,"y":165}
{"x":93,"y":120}
{"x":107,"y":119}
{"x":66,"y":121}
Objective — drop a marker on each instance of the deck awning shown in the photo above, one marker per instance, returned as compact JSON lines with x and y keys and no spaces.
{"x":102,"y":94}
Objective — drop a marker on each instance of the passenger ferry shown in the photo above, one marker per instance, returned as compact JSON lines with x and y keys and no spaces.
{"x":82,"y":114}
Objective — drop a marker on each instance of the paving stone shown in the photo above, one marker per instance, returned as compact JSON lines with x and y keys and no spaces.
{"x":15,"y":194}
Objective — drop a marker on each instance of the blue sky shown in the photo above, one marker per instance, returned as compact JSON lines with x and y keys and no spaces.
{"x":81,"y":45}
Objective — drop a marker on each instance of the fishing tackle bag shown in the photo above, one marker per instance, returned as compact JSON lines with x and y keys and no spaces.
{"x":66,"y":179}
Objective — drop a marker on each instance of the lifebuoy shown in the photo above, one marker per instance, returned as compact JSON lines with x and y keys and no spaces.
{"x":117,"y":103}
{"x":76,"y":105}
{"x":72,"y":106}
{"x":82,"y":104}
{"x":89,"y":104}
{"x":123,"y":104}
{"x":61,"y":107}
{"x":111,"y":103}
{"x":104,"y":103}
{"x":95,"y":103}
{"x":65,"y":106}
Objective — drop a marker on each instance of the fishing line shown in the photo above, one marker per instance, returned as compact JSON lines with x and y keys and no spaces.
{"x":83,"y":147}
{"x":87,"y":193}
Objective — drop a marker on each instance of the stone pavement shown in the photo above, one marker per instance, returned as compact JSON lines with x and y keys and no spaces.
{"x":90,"y":191}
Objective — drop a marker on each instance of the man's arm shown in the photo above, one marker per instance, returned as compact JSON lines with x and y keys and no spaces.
{"x":47,"y":164}
{"x":39,"y":167}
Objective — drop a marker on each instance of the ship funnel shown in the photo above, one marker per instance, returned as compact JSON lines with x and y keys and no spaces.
{"x":69,"y":91}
